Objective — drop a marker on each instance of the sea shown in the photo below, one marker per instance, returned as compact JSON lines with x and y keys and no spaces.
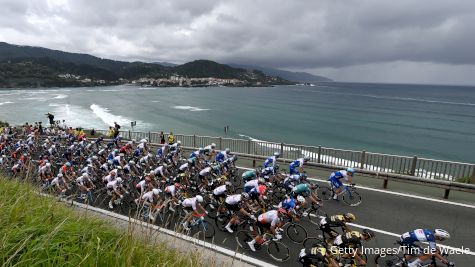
{"x":432,"y":121}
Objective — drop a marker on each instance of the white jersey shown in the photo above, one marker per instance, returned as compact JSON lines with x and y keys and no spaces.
{"x":57,"y":181}
{"x":220,"y":190}
{"x":184,"y":167}
{"x":171,"y":189}
{"x":159,"y":170}
{"x":142,"y":184}
{"x":206,"y":171}
{"x":233,"y":199}
{"x":148,"y":197}
{"x":271,"y":217}
{"x":252,"y":183}
{"x":190,"y":202}
{"x":113,"y":185}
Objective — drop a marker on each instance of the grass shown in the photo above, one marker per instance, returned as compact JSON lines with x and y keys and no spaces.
{"x":40,"y":231}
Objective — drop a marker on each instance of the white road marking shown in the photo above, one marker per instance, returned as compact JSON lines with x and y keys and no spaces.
{"x":396,"y":193}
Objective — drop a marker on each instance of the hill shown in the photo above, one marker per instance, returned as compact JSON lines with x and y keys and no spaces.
{"x":26,"y":66}
{"x":302,"y":77}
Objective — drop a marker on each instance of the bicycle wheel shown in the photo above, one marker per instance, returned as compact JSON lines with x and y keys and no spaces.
{"x":314,"y":215}
{"x":352,"y":200}
{"x":221,"y":221}
{"x":242,"y":237}
{"x":389,"y":260}
{"x":235,"y":180}
{"x":296,"y":233}
{"x":311,"y":242}
{"x":205,"y":230}
{"x":278,"y":251}
{"x":324,"y":193}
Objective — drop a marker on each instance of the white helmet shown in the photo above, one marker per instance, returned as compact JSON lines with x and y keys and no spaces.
{"x":131,"y":162}
{"x":276,"y":154}
{"x":213,"y":145}
{"x":85,"y":175}
{"x":94,"y":157}
{"x":227,"y":150}
{"x":165,"y":165}
{"x":156,"y":191}
{"x":441,"y":234}
{"x":199,"y":198}
{"x":119,"y":180}
{"x":60,"y":175}
{"x":178,"y":142}
{"x":301,"y":199}
{"x":48,"y":165}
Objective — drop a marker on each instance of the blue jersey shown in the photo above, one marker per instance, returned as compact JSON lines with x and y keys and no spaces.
{"x":270,"y":162}
{"x":419,"y":235}
{"x":296,"y":164}
{"x":221,"y":156}
{"x":161,"y":152}
{"x":289,"y":204}
{"x":338,"y":175}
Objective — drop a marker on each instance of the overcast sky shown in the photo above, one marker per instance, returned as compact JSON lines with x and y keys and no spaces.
{"x":408,"y":41}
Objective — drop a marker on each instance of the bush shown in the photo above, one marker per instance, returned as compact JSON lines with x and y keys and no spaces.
{"x":4,"y":124}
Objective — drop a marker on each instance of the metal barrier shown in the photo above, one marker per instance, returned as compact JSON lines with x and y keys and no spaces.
{"x":363,"y":160}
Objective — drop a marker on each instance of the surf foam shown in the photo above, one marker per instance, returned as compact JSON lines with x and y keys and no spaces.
{"x":190,"y":108}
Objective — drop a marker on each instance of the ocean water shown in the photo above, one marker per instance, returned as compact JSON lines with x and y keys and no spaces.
{"x":424,"y":120}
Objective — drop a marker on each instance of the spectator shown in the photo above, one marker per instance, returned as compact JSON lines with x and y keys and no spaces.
{"x":93,"y":132}
{"x":116,"y":129}
{"x":162,"y":138}
{"x":171,"y":138}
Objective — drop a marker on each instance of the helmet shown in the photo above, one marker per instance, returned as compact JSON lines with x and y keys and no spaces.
{"x":133,"y":141}
{"x":156,"y":191}
{"x":94,"y":157}
{"x":441,"y":234}
{"x":150,"y":155}
{"x":276,"y":154}
{"x":113,"y":172}
{"x":121,"y":154}
{"x":245,"y":195}
{"x":201,"y":149}
{"x":109,"y":162}
{"x":227,"y":150}
{"x":93,"y":142}
{"x":301,"y":199}
{"x":116,"y":150}
{"x":131,"y":162}
{"x":368,"y":232}
{"x":261,"y":180}
{"x":165,"y":165}
{"x":60,"y":175}
{"x":119,"y":180}
{"x":350,"y":170}
{"x":213,"y":145}
{"x":228,"y":183}
{"x":68,"y":164}
{"x":199,"y":198}
{"x":178,"y":142}
{"x":48,"y":165}
{"x":349,"y":217}
{"x":85,"y":175}
{"x":306,"y":158}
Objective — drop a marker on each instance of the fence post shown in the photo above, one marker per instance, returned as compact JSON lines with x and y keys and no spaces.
{"x":149,"y":137}
{"x":414,"y":165}
{"x":130,"y":136}
{"x":220,"y":143}
{"x":249,"y":147}
{"x":254,"y":163}
{"x":363,"y":159}
{"x":446,"y":193}
{"x":282,"y":149}
{"x":319,"y":157}
{"x":194,"y":140}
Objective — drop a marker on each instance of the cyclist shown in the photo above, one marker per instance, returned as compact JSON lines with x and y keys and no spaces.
{"x":336,"y":177}
{"x":296,"y":167}
{"x":248,"y":186}
{"x":270,"y":221}
{"x":317,"y":255}
{"x":238,"y":203}
{"x":292,"y":205}
{"x":272,"y":160}
{"x":115,"y":188}
{"x":59,"y":184}
{"x":350,"y":243}
{"x":249,"y":175}
{"x":192,"y":205}
{"x":162,"y":152}
{"x":305,"y":190}
{"x":223,"y":155}
{"x":197,"y":153}
{"x":425,"y":235}
{"x":327,"y":223}
{"x":148,"y":200}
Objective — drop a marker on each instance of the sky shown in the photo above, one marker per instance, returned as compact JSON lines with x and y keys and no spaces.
{"x":403,"y":41}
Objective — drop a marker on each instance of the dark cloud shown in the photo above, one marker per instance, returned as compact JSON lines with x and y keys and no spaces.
{"x":333,"y":36}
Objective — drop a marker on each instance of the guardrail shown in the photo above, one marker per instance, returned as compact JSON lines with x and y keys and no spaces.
{"x":430,"y":169}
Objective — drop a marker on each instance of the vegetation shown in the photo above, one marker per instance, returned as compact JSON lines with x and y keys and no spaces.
{"x":4,"y":124}
{"x":40,"y":231}
{"x":25,"y":66}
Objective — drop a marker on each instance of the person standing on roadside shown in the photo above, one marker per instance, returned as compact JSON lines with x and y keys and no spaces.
{"x":171,"y":139}
{"x":162,"y":138}
{"x":116,"y":129}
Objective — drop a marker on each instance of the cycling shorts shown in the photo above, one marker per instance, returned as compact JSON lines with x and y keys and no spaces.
{"x":336,"y":182}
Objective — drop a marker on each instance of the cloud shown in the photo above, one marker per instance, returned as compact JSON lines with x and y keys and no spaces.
{"x":332,"y":35}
